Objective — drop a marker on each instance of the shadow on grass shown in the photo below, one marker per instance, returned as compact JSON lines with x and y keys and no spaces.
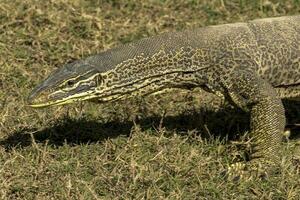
{"x":83,"y":131}
{"x":67,"y":130}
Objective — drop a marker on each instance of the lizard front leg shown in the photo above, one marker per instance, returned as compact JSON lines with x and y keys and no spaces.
{"x":267,"y":119}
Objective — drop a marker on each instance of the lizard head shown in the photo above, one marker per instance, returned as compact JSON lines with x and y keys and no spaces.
{"x":73,"y":82}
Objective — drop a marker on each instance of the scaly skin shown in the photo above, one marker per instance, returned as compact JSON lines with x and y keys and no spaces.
{"x":254,"y":65}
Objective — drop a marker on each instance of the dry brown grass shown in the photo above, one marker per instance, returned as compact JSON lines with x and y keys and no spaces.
{"x":88,"y":151}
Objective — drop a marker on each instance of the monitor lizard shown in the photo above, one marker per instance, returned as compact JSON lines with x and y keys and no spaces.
{"x":254,"y":65}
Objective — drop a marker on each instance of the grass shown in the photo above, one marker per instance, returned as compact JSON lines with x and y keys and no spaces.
{"x":161,"y":147}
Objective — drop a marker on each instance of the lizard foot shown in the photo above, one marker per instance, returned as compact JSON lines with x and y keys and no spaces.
{"x":246,"y":171}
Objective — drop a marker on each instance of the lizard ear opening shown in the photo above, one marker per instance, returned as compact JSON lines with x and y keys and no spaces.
{"x":98,"y":80}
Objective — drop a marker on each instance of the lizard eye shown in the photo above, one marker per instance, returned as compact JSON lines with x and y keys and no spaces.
{"x":70,"y":83}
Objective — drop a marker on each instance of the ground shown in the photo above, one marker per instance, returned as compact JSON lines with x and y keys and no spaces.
{"x":173,"y":146}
